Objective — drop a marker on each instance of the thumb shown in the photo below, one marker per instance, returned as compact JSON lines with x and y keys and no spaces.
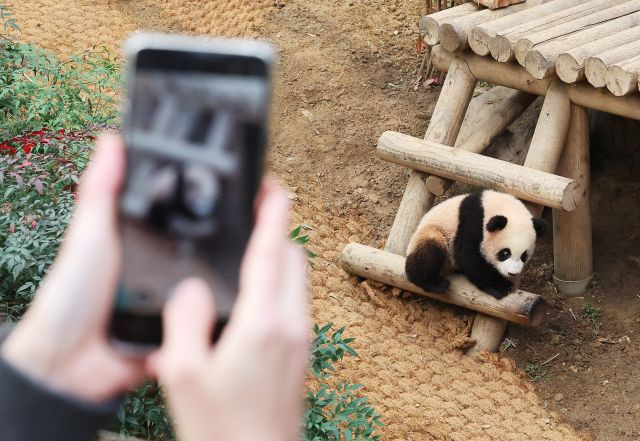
{"x":188,"y":320}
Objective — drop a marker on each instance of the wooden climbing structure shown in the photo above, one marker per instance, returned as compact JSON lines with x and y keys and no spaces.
{"x":579,"y":55}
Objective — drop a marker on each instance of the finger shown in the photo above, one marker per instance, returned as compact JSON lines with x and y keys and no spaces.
{"x":262,"y":264}
{"x":188,"y":321}
{"x":293,"y":295}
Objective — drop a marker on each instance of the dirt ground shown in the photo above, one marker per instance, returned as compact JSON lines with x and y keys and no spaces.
{"x":346,"y":75}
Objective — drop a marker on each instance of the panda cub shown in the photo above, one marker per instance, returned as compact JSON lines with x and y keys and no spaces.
{"x":487,"y":236}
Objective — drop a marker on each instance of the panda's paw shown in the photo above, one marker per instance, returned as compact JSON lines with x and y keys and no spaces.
{"x":499,"y":292}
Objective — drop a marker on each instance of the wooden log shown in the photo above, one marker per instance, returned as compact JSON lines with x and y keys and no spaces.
{"x":515,"y":77}
{"x":595,"y":67}
{"x":487,"y":331}
{"x":489,"y":115}
{"x":600,"y":11}
{"x":495,"y":4}
{"x":430,"y":24}
{"x":572,"y":242}
{"x":569,"y":65}
{"x":480,"y":35}
{"x":519,"y":307}
{"x":622,"y":77}
{"x":503,"y":46}
{"x":540,"y":61}
{"x":454,"y":34}
{"x":446,"y":120}
{"x":532,"y":185}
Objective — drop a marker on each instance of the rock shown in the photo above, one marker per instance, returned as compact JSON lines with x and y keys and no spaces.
{"x":558,"y":397}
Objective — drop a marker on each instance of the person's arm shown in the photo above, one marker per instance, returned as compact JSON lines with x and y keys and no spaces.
{"x":59,"y":376}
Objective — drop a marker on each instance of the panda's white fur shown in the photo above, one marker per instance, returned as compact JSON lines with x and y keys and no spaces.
{"x":470,"y":234}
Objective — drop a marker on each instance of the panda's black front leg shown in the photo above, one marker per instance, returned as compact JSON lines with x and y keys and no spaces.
{"x":491,"y":282}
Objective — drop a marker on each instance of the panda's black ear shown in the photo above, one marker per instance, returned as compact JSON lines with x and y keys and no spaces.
{"x":496,"y":223}
{"x":540,"y":225}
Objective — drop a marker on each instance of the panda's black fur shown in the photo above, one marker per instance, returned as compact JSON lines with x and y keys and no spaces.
{"x":452,"y":239}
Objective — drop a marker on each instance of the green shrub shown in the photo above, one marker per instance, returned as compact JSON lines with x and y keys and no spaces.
{"x":49,"y":111}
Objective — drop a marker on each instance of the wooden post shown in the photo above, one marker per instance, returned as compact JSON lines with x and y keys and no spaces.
{"x":492,"y":113}
{"x":544,"y":153}
{"x":572,"y":243}
{"x":519,"y":307}
{"x":570,"y":64}
{"x":444,"y":127}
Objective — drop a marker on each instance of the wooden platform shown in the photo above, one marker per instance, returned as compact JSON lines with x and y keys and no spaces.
{"x":597,"y":40}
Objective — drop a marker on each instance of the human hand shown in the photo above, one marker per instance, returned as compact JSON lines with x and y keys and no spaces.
{"x":62,"y":340}
{"x":248,"y":386}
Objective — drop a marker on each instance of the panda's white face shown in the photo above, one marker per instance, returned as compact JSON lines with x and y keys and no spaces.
{"x":509,"y":244}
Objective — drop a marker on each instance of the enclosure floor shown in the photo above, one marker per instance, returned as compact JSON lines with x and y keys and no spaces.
{"x":337,"y":68}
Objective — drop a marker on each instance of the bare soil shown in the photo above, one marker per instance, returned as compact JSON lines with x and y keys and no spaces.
{"x":346,"y":75}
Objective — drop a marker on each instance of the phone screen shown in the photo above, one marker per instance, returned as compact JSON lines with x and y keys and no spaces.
{"x":195,"y":138}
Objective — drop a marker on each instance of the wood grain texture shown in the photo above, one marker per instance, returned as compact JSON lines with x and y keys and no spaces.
{"x":622,"y":77}
{"x":572,"y":241}
{"x":430,"y":24}
{"x":589,"y":14}
{"x":520,"y":306}
{"x":495,"y":4}
{"x":569,"y":65}
{"x":487,"y":331}
{"x":454,"y":34}
{"x":534,"y":185}
{"x":541,"y":60}
{"x":446,"y":120}
{"x":596,"y":67}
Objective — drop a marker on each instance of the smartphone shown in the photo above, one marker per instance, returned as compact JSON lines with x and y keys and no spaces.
{"x":195,"y":118}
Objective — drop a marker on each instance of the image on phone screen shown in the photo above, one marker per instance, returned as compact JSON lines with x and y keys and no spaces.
{"x":195,"y":139}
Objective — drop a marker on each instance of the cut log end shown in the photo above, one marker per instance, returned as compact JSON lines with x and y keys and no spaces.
{"x":572,"y":196}
{"x":523,"y":46}
{"x":596,"y":72}
{"x":538,"y":65}
{"x":621,"y":82}
{"x":519,"y":307}
{"x":429,"y":29}
{"x":449,"y":37}
{"x":568,"y":69}
{"x":479,"y":41}
{"x":500,"y":48}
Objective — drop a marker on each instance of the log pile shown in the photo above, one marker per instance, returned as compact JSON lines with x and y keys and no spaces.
{"x":594,"y":40}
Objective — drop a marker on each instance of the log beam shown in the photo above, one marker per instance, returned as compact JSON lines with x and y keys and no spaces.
{"x":430,"y":24}
{"x":515,"y":77}
{"x":445,"y":124}
{"x":518,"y":307}
{"x":596,"y":67}
{"x":489,"y":115}
{"x":526,"y":183}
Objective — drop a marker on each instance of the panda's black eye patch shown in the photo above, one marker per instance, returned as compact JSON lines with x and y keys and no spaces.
{"x":525,"y":256}
{"x":504,"y":254}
